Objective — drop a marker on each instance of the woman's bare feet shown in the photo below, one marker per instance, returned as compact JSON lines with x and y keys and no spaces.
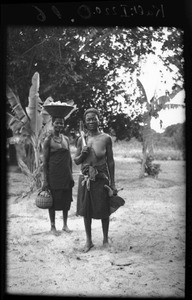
{"x":87,"y":247}
{"x":105,"y":244}
{"x":66,"y":228}
{"x":54,"y":231}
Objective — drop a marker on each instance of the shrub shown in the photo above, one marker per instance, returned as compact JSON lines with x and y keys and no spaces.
{"x":151,"y":169}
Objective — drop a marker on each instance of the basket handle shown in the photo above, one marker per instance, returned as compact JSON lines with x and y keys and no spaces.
{"x":40,"y":191}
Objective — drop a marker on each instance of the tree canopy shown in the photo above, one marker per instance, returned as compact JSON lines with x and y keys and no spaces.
{"x":83,"y":65}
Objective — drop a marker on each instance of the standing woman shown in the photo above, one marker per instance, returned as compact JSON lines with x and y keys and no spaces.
{"x":98,"y":170}
{"x":57,"y":168}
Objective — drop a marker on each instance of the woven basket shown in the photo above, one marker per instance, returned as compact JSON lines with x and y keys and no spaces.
{"x":44,"y":200}
{"x":58,"y":110}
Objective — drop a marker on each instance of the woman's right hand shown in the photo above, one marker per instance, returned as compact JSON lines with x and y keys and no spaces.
{"x":45,"y":186}
{"x":85,"y":151}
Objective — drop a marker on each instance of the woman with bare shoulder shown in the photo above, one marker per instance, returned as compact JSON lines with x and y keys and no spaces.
{"x":57,"y":169}
{"x":97,"y":167}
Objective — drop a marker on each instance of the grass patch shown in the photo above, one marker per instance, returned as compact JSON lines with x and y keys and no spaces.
{"x":133,"y":149}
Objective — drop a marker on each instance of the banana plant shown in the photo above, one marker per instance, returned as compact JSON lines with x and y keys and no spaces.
{"x":29,"y":129}
{"x":153,"y":105}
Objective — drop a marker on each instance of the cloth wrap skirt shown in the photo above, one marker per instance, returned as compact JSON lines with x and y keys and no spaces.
{"x":60,"y":179}
{"x":92,"y":198}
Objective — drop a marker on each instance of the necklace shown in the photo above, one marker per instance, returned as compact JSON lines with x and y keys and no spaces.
{"x":57,"y":139}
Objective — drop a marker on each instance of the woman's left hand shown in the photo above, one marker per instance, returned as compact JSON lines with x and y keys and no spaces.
{"x":113,"y":187}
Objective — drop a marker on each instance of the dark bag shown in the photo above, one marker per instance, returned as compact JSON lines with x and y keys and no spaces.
{"x":44,"y":200}
{"x":115,"y":203}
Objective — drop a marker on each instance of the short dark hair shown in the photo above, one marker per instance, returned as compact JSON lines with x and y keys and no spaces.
{"x":91,"y":110}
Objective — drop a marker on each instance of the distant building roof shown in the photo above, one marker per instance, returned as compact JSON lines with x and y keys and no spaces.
{"x":179,"y":98}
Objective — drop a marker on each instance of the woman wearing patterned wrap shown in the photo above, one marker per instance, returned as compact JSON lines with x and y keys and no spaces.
{"x":97,"y":166}
{"x":57,"y":168}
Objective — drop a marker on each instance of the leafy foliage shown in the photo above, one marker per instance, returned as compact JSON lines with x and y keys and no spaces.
{"x":81,"y":64}
{"x":177,"y":133}
{"x":124,"y":127}
{"x":28,"y":132}
{"x":151,"y":169}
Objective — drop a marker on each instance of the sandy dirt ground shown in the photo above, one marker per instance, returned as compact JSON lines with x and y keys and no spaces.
{"x":146,"y":256}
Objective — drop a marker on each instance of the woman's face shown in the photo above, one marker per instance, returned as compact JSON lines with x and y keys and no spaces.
{"x":91,"y":121}
{"x":58,"y":124}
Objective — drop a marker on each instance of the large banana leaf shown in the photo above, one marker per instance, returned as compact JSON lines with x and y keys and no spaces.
{"x":35,"y":106}
{"x":16,"y":106}
{"x":13,"y":123}
{"x":143,"y":90}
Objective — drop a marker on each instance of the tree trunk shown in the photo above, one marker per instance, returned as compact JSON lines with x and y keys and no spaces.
{"x":144,"y":151}
{"x":147,"y":145}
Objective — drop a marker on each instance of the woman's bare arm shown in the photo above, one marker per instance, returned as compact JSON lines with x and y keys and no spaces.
{"x":110,"y":162}
{"x":81,"y":153}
